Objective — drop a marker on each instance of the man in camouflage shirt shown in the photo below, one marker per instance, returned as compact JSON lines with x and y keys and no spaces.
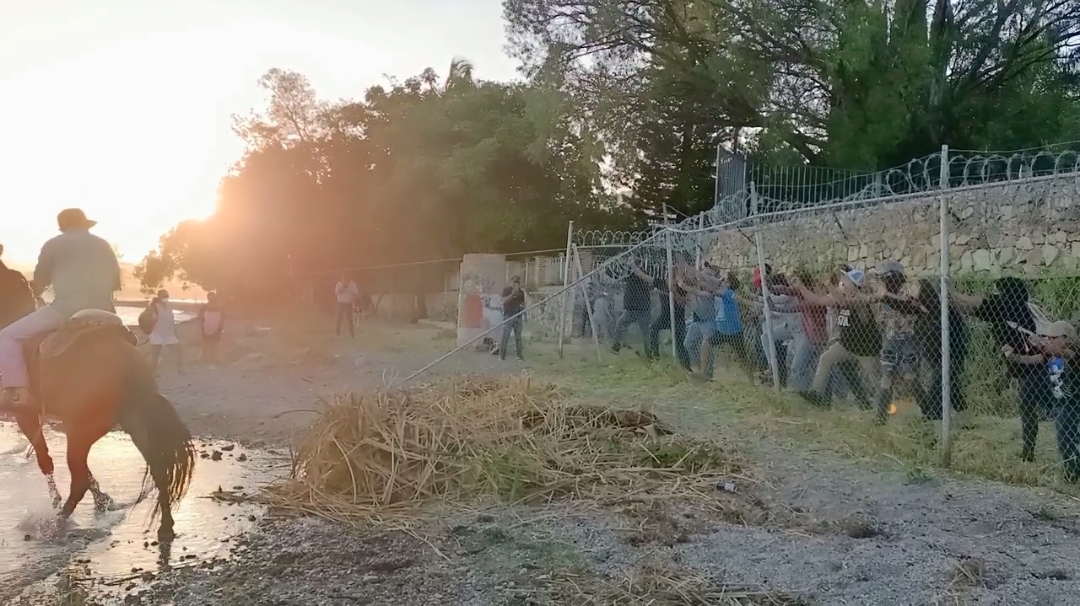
{"x":899,"y":354}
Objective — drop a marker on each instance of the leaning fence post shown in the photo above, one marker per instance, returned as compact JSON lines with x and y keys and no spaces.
{"x":671,"y":292}
{"x":767,"y":308}
{"x":946,"y":378}
{"x":699,"y":238}
{"x":566,"y":284}
{"x":588,"y":302}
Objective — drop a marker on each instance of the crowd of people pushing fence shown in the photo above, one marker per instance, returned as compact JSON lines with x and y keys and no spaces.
{"x":873,"y":336}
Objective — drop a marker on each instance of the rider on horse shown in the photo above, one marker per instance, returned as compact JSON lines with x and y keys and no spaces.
{"x":84,"y":273}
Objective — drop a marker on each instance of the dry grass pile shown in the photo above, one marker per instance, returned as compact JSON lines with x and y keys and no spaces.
{"x":466,"y":438}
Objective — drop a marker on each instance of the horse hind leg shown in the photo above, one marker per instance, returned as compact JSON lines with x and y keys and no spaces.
{"x":102,"y":501}
{"x":30,"y":424}
{"x":80,"y":440}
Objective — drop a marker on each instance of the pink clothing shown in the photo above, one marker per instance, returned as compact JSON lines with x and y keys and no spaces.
{"x":12,"y":364}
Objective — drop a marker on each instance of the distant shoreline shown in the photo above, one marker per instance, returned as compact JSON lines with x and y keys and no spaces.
{"x":191,"y":306}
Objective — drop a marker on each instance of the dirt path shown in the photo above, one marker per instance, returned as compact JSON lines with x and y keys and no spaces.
{"x":813,"y":527}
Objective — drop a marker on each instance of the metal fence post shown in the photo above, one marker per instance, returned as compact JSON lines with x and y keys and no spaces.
{"x":767,"y":307}
{"x":566,"y":284}
{"x":588,"y":302}
{"x":671,"y":292}
{"x":946,"y":378}
{"x":700,"y":236}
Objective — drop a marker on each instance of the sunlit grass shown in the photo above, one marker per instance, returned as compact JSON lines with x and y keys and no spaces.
{"x":730,"y":408}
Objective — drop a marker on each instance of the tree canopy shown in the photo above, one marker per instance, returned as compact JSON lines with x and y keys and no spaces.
{"x":621,"y":94}
{"x":429,"y":168}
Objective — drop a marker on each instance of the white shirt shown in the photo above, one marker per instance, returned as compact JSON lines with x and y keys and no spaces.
{"x":346,"y":293}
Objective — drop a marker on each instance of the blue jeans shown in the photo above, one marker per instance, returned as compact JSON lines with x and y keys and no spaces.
{"x":698,"y":332}
{"x":804,"y":364}
{"x":514,"y":324}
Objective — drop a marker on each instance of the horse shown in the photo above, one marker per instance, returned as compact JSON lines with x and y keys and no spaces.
{"x":90,"y":376}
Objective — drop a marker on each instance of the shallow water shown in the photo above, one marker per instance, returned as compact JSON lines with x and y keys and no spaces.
{"x":118,"y":543}
{"x":130,"y":315}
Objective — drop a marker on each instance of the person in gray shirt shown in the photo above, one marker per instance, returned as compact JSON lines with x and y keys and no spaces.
{"x":84,"y":273}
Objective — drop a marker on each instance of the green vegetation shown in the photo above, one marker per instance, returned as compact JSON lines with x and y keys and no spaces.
{"x":617,"y":95}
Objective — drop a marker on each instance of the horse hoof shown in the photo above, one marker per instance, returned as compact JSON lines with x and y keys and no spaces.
{"x":56,"y":503}
{"x":165,"y":535}
{"x":104,"y":504}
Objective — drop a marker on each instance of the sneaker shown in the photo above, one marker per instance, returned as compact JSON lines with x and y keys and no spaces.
{"x":521,"y":358}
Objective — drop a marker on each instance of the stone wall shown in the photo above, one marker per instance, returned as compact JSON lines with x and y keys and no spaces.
{"x":1015,"y":228}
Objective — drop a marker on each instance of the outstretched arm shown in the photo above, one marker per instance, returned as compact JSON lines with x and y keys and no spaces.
{"x":43,"y":271}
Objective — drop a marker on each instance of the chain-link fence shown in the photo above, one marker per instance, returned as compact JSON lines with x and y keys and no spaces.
{"x":840,"y":302}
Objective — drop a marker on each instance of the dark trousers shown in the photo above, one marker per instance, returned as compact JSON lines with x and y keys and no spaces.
{"x":344,"y":312}
{"x":1035,"y":398}
{"x":664,"y":323}
{"x":628,"y":317}
{"x":930,"y":399}
{"x":1067,"y":423}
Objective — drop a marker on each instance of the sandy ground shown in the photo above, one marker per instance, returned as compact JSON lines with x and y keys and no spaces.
{"x":811,"y":527}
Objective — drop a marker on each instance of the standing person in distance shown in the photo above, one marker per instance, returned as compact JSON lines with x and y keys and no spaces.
{"x":513,"y":304}
{"x":346,"y":292}
{"x":637,"y":307}
{"x":164,"y":333}
{"x":211,"y":323}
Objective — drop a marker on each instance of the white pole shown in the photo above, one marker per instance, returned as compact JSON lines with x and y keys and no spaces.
{"x":700,"y":237}
{"x":671,"y":291}
{"x":767,"y":308}
{"x":946,"y":379}
{"x":566,"y":284}
{"x":588,"y":302}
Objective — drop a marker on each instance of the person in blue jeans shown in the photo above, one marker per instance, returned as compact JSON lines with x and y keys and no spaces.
{"x":513,"y":304}
{"x":703,"y":291}
{"x":1055,"y":354}
{"x":727,"y":331}
{"x":637,"y":306}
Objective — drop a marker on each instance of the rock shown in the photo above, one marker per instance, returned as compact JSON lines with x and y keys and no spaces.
{"x":1049,"y":254}
{"x":215,"y":456}
{"x":982,"y":260}
{"x":1024,"y":243}
{"x":1034,"y":257}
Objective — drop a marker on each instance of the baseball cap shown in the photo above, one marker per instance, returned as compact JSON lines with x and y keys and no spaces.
{"x":1061,"y":328}
{"x":856,"y":276}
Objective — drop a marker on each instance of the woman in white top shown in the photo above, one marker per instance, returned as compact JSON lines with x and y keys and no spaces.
{"x":164,"y":333}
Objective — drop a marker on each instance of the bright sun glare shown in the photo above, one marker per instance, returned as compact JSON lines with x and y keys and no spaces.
{"x":137,"y":148}
{"x":128,"y":115}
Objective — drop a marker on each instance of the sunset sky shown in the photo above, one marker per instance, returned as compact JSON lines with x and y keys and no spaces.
{"x":123,"y":107}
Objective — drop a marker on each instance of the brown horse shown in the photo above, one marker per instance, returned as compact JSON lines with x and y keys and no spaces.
{"x":90,"y":376}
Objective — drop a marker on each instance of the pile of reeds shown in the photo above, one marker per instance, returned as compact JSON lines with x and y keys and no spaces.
{"x":468,"y":438}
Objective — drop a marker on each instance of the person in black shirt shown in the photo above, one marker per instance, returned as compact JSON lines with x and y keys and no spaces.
{"x":1011,"y":321}
{"x":637,"y":306}
{"x":928,"y":340}
{"x":681,"y":294}
{"x":1054,"y":352}
{"x":513,"y":320}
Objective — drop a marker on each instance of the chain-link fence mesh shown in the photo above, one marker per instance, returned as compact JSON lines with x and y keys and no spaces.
{"x":845,"y":297}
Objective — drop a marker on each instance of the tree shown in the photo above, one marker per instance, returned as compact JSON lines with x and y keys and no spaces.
{"x":429,"y":168}
{"x":851,"y":84}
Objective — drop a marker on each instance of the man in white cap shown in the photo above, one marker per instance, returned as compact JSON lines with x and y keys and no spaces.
{"x":84,"y":273}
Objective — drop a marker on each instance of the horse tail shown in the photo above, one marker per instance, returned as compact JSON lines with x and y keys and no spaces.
{"x":159,"y":434}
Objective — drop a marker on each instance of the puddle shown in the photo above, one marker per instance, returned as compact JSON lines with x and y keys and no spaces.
{"x":119,"y":544}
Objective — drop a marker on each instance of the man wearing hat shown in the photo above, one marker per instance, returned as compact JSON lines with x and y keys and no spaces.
{"x":84,"y":273}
